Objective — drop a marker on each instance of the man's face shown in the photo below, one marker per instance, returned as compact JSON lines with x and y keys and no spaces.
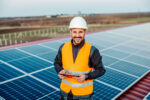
{"x":78,"y":35}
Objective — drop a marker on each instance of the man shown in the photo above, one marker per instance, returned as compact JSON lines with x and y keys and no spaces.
{"x":77,"y":64}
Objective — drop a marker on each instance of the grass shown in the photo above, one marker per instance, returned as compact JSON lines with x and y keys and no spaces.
{"x":136,"y":20}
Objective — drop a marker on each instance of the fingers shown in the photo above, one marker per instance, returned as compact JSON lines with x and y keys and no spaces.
{"x":62,"y":76}
{"x":81,"y":78}
{"x":62,"y":72}
{"x":78,"y":79}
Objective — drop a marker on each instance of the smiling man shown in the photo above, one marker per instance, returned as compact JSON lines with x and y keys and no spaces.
{"x":78,"y":63}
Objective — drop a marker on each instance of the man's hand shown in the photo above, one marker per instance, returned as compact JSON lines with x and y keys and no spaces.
{"x":62,"y":76}
{"x":81,"y":78}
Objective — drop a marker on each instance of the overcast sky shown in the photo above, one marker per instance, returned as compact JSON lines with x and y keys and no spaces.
{"x":13,"y":8}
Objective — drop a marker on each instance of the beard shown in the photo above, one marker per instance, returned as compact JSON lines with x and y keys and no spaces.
{"x":77,"y":40}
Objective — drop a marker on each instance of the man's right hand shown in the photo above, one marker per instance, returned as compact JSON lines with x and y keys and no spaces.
{"x":62,"y":76}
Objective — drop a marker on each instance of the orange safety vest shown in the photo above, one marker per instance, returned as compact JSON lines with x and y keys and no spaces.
{"x":80,"y":66}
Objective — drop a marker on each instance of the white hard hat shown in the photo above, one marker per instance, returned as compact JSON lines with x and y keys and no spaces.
{"x":78,"y":22}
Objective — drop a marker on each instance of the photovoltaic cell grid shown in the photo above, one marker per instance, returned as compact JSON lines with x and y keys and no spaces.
{"x":147,"y":97}
{"x":27,"y":72}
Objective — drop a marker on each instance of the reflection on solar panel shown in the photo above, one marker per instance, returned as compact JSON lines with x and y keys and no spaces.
{"x":27,"y":72}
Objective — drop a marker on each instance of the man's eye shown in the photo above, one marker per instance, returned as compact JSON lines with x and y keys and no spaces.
{"x":80,"y":31}
{"x":74,"y":32}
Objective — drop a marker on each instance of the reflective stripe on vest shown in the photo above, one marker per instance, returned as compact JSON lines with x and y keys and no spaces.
{"x":76,"y":72}
{"x":77,"y":84}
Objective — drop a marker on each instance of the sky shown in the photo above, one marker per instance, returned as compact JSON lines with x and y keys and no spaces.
{"x":20,"y":8}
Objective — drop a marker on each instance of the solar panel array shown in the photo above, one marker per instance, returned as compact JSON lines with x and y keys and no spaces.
{"x":27,"y":72}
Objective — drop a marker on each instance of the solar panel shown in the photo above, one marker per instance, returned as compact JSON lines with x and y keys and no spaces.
{"x":115,"y":53}
{"x":49,"y":76}
{"x":53,"y":44}
{"x":8,"y":72}
{"x":30,"y":64}
{"x":147,"y":97}
{"x":35,"y":49}
{"x":107,"y":60}
{"x":144,"y":53}
{"x":131,"y":68}
{"x":24,"y":88}
{"x":139,"y":60}
{"x":48,"y":55}
{"x":51,"y":96}
{"x":117,"y":79}
{"x":11,"y":54}
{"x":104,"y":92}
{"x":126,"y":49}
{"x":27,"y":72}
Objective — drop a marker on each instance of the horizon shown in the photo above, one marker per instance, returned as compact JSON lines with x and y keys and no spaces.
{"x":77,"y":14}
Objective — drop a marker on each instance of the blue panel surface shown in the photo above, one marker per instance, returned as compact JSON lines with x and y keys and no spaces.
{"x":51,"y":96}
{"x":25,"y":88}
{"x":108,"y":60}
{"x":139,"y":60}
{"x":30,"y":64}
{"x":104,"y":92}
{"x":145,"y":53}
{"x":117,"y":79}
{"x":130,"y":68}
{"x":35,"y":49}
{"x":53,"y":44}
{"x":49,"y":55}
{"x":7,"y":72}
{"x":115,"y":53}
{"x":50,"y":76}
{"x":12,"y":54}
{"x":125,"y":48}
{"x":148,"y":97}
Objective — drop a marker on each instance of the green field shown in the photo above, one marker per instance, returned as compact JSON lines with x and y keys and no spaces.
{"x":136,"y":20}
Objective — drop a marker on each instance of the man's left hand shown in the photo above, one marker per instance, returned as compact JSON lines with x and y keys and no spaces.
{"x":81,"y":78}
